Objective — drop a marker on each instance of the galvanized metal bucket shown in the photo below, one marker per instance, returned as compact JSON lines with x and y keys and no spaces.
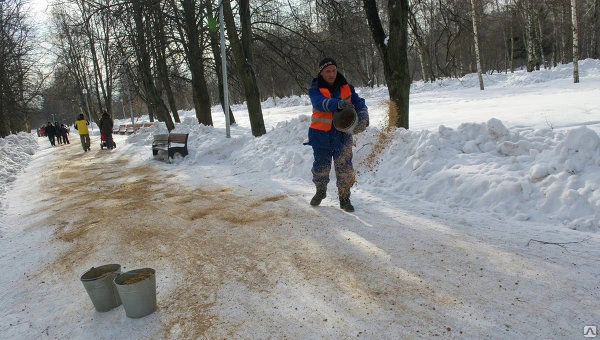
{"x":345,"y":120}
{"x":98,"y":282}
{"x":137,"y":289}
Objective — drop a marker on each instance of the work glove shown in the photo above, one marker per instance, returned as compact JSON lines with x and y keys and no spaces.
{"x":360,"y":127}
{"x":342,"y":104}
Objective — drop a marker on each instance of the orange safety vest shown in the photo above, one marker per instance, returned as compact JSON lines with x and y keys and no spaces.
{"x":322,"y":120}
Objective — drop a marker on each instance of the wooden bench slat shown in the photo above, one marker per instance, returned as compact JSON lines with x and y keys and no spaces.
{"x":164,"y":142}
{"x":178,"y":138}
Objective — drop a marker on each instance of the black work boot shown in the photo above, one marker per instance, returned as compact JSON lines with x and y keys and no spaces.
{"x":319,"y":196}
{"x":346,"y":205}
{"x":345,"y":201}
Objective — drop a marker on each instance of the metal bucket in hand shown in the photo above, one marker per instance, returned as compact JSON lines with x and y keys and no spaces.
{"x":345,"y":120}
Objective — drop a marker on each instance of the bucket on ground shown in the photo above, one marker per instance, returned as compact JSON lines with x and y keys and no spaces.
{"x":99,"y":284}
{"x":345,"y":120}
{"x":137,"y":289}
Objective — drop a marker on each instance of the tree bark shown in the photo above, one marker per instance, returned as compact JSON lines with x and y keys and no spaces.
{"x":529,"y":32}
{"x":242,"y":52}
{"x":595,"y":49}
{"x":421,"y":46}
{"x":190,"y":38}
{"x":476,"y":43}
{"x":563,"y":43}
{"x":215,"y":46}
{"x":98,"y":83}
{"x":540,"y":41}
{"x":160,"y":54}
{"x":575,"y":41}
{"x":393,"y":51}
{"x":155,"y":104}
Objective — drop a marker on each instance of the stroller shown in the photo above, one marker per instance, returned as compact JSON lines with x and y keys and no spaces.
{"x":103,"y":143}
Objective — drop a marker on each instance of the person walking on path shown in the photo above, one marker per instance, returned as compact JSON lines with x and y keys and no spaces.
{"x":106,"y":127}
{"x":84,"y":134}
{"x":51,"y":133}
{"x":64,"y":133}
{"x":329,"y":93}
{"x":58,"y":133}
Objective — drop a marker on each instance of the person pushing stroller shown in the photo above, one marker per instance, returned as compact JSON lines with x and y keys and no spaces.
{"x":106,"y":127}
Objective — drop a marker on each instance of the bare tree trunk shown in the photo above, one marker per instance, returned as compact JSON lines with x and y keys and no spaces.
{"x":476,"y":40}
{"x":422,"y":62}
{"x":595,"y":50}
{"x":191,"y":37}
{"x":97,"y":73}
{"x":575,"y":41}
{"x":529,"y":31}
{"x":160,"y":54}
{"x":504,"y":39}
{"x":242,"y":51}
{"x":215,"y":46}
{"x":563,"y":43}
{"x":155,"y":104}
{"x":536,"y":39}
{"x":512,"y":51}
{"x":421,"y":46}
{"x":394,"y":54}
{"x":540,"y":40}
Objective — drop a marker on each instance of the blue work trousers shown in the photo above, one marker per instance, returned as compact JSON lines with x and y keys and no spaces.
{"x":342,"y":160}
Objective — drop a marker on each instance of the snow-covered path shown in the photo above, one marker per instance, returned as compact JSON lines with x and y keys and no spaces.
{"x":237,"y":262}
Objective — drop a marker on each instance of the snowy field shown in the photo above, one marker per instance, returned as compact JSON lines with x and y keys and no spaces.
{"x":516,"y":165}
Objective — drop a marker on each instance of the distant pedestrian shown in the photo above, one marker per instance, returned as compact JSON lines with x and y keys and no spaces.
{"x":58,"y":133}
{"x":64,"y":134}
{"x":50,"y":132}
{"x":106,"y":127}
{"x":84,"y":134}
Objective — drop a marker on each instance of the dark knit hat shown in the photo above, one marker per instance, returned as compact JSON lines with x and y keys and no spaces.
{"x":326,"y":62}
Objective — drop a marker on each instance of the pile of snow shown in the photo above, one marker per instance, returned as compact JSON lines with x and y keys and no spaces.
{"x":529,"y":175}
{"x":15,"y":154}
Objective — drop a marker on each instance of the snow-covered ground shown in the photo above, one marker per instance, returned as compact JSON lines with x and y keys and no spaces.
{"x":516,"y":166}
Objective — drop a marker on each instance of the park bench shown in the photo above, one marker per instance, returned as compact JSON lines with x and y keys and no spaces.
{"x":129,"y":129}
{"x":172,"y":143}
{"x":122,"y":129}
